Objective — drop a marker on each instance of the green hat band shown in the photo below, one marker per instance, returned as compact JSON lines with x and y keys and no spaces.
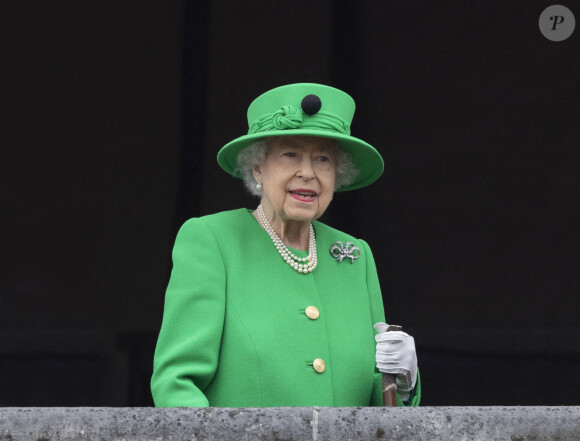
{"x":290,"y":117}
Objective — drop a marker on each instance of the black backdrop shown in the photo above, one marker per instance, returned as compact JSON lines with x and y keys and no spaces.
{"x":113,"y":113}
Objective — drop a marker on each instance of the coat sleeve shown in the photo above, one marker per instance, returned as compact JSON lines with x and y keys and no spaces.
{"x":378,"y":315}
{"x":187,"y":352}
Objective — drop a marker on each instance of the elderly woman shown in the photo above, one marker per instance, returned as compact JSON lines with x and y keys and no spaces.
{"x":271,"y":307}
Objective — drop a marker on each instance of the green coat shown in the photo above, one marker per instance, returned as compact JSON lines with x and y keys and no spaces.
{"x":235,"y":332}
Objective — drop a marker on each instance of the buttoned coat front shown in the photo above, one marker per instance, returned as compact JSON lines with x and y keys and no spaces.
{"x":235,"y":331}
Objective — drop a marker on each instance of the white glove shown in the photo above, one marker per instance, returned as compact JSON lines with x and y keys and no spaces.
{"x":396,"y":354}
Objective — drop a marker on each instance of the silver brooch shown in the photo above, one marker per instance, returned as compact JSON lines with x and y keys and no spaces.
{"x":339,"y":251}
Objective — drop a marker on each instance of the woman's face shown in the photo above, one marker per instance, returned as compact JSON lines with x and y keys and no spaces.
{"x":297,"y":177}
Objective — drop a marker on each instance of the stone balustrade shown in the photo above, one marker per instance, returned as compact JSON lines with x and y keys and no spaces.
{"x":295,"y":423}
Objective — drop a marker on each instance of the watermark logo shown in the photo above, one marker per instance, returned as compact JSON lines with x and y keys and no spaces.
{"x":557,"y":22}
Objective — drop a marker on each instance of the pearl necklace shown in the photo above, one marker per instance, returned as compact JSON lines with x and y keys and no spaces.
{"x":298,"y":263}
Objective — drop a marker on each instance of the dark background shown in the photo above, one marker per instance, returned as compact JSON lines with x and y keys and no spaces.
{"x":113,"y":113}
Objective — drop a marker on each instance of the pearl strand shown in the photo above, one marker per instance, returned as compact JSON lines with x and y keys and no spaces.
{"x":298,"y":263}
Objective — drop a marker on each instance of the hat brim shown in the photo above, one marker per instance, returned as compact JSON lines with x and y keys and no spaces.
{"x":365,"y":157}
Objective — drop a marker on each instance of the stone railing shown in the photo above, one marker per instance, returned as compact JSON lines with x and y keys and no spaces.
{"x":291,"y":423}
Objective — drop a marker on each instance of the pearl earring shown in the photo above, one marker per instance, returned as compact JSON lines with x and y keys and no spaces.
{"x":259,"y":187}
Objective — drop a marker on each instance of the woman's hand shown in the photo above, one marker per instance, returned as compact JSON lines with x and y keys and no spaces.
{"x":396,"y":354}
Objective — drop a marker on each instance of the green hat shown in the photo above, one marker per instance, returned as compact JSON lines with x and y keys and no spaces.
{"x":310,"y":110}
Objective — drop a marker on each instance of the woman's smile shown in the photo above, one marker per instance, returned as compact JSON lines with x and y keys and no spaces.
{"x":303,"y":195}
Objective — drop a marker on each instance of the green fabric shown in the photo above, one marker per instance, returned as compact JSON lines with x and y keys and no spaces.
{"x":278,"y":112}
{"x":289,"y":117}
{"x":235,"y":332}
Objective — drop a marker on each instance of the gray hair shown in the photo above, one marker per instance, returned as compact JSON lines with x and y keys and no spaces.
{"x":255,"y":154}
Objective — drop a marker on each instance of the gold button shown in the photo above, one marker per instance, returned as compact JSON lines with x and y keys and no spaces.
{"x":312,"y":312}
{"x":319,"y":365}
